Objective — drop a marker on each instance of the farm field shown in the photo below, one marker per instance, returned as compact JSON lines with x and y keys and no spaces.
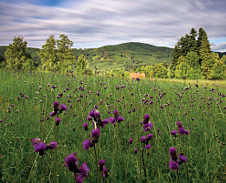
{"x":131,"y":125}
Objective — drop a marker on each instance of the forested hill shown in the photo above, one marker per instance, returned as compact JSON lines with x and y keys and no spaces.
{"x":126,"y":56}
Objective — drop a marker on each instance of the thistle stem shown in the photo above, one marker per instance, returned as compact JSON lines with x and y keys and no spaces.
{"x":178,"y":181}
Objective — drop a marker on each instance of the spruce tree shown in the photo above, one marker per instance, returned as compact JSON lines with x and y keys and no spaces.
{"x":64,"y":53}
{"x":203,"y":45}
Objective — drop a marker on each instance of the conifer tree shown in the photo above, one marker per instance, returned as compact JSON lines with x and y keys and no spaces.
{"x":64,"y":53}
{"x":203,"y":45}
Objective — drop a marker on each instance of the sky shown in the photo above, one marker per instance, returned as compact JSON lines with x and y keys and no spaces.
{"x":95,"y":23}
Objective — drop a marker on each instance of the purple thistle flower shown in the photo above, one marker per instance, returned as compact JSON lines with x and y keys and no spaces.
{"x":187,"y":132}
{"x":56,"y":104}
{"x":182,"y":157}
{"x":147,"y":126}
{"x":116,"y":114}
{"x":85,"y":125}
{"x":130,"y":141}
{"x":173,"y":132}
{"x":172,"y":151}
{"x":52,"y":145}
{"x":71,"y":162}
{"x":102,"y":162}
{"x":95,"y":134}
{"x":105,"y":173}
{"x":86,"y":144}
{"x":40,"y":147}
{"x":146,"y":118}
{"x":148,"y":146}
{"x":173,"y":165}
{"x":84,"y":170}
{"x":120,"y":119}
{"x":149,"y":137}
{"x":179,"y":124}
{"x":58,"y":120}
{"x":63,"y":107}
{"x":143,"y":138}
{"x":181,"y":130}
{"x":92,"y":113}
{"x":52,"y":113}
{"x":135,"y":150}
{"x":89,"y":118}
{"x":35,"y":141}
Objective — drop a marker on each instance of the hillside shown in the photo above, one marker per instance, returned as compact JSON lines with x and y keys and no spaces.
{"x":125,"y":56}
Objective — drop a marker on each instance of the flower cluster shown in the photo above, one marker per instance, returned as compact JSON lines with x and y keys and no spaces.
{"x":116,"y":117}
{"x":147,"y":125}
{"x":174,"y":164}
{"x":145,"y":140}
{"x":94,"y":115}
{"x":181,"y":130}
{"x":40,"y":146}
{"x":101,"y":165}
{"x":72,"y":163}
{"x":58,"y":110}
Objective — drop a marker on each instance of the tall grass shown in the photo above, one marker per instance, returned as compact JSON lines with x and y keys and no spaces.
{"x":30,"y":98}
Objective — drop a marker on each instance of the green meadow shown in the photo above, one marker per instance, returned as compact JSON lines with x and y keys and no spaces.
{"x":26,"y":100}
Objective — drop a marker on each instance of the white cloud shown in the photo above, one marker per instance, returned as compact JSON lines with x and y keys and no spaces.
{"x":97,"y":22}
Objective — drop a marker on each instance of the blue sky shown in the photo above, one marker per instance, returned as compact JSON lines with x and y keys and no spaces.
{"x":95,"y":23}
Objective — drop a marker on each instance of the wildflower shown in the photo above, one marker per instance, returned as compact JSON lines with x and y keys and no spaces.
{"x":63,"y":108}
{"x":102,"y":162}
{"x":187,"y":132}
{"x":179,"y":124}
{"x":173,"y":132}
{"x":86,"y":144}
{"x":85,"y":125}
{"x":143,"y":139}
{"x":84,"y":170}
{"x":71,"y":163}
{"x":149,"y":137}
{"x":52,"y":145}
{"x":58,"y":120}
{"x":135,"y":150}
{"x":147,"y":126}
{"x":89,"y":118}
{"x":172,"y":151}
{"x":116,"y":114}
{"x":105,"y":173}
{"x":95,"y":134}
{"x":40,"y":148}
{"x":56,"y":104}
{"x":130,"y":141}
{"x":182,"y":157}
{"x":146,"y":118}
{"x":148,"y":146}
{"x":173,"y":165}
{"x":120,"y":119}
{"x":35,"y":141}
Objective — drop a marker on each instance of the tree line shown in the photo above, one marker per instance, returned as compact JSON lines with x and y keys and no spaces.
{"x":55,"y":55}
{"x":192,"y":59}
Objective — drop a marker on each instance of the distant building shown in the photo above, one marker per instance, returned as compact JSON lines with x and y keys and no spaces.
{"x":137,"y":75}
